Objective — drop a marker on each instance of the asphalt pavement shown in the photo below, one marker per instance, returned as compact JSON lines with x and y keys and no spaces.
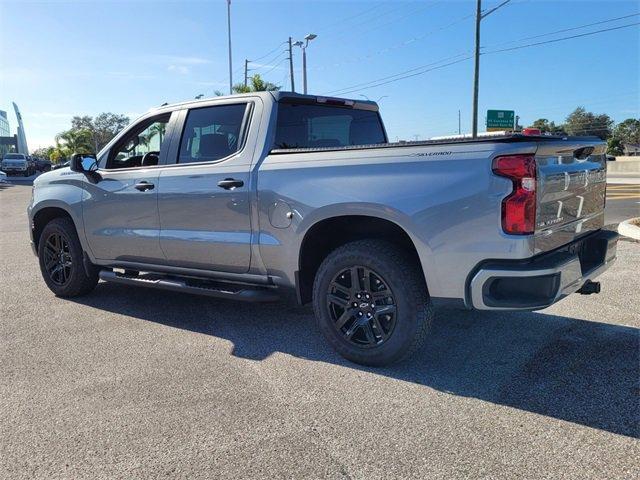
{"x":135,"y":383}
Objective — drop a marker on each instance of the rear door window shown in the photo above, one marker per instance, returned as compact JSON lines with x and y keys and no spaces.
{"x":212,"y":133}
{"x":318,"y":126}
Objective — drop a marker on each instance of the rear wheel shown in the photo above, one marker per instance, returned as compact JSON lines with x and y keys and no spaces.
{"x":371,"y":302}
{"x":61,"y":260}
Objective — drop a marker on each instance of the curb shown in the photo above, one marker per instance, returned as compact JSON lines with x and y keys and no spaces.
{"x":627,"y":229}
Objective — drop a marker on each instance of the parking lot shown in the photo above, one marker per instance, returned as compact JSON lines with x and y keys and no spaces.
{"x":134,"y":383}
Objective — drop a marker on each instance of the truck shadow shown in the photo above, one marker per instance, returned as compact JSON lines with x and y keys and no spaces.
{"x":570,"y":369}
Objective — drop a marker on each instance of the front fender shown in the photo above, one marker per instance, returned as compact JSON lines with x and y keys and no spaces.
{"x":61,"y":190}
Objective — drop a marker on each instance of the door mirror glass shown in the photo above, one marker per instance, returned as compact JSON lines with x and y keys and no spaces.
{"x":89,"y":164}
{"x":83,"y":163}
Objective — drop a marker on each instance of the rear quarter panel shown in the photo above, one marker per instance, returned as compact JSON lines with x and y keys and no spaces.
{"x":444,"y":196}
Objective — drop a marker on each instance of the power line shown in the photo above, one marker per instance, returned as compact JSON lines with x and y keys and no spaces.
{"x":408,"y":74}
{"x":267,"y":54}
{"x":402,"y":44}
{"x":386,"y":13}
{"x":276,"y":66}
{"x":561,"y":39}
{"x":563,"y":30}
{"x":398,"y":74}
{"x":338,"y":22}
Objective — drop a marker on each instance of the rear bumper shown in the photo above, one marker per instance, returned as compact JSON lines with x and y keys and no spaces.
{"x":542,"y":280}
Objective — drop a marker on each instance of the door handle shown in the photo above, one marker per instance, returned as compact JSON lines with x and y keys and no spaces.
{"x":144,"y":185}
{"x":230,"y":183}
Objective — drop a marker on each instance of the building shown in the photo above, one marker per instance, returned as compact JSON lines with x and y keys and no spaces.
{"x":8,"y":143}
{"x":4,"y":125}
{"x":22,"y":139}
{"x":631,"y":149}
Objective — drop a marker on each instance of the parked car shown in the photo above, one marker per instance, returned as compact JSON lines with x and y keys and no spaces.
{"x":611,"y":158}
{"x":42,"y":165}
{"x":249,"y":197}
{"x":16,"y":164}
{"x":56,"y":166}
{"x":3,"y":177}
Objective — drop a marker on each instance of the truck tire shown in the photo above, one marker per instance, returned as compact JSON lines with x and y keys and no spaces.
{"x":61,"y":260}
{"x":371,"y":302}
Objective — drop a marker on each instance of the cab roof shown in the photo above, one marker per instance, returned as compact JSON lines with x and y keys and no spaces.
{"x":278,"y":96}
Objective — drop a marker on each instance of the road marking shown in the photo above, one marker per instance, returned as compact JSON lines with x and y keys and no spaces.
{"x":626,"y":197}
{"x":627,"y":191}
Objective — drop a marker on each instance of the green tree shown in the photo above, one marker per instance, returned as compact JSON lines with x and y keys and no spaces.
{"x":103,"y":128}
{"x":580,"y":122}
{"x":628,"y":131}
{"x":256,"y":84}
{"x":545,"y":126}
{"x":43,"y":152}
{"x":614,"y":146}
{"x":74,"y":141}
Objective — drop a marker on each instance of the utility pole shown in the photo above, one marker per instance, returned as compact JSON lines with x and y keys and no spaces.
{"x":229,"y":31}
{"x":293,"y":87}
{"x":476,"y":73}
{"x":476,"y":70}
{"x":459,"y":125}
{"x":246,"y":70}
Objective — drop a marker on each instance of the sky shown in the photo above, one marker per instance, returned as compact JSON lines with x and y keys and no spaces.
{"x":60,"y":58}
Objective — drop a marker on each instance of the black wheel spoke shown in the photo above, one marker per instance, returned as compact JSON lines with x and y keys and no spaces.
{"x":355,"y":280}
{"x":368,"y":331}
{"x":340,"y":288}
{"x":366,"y":280}
{"x":378,"y":327}
{"x":344,"y":318}
{"x":349,"y":333}
{"x":381,"y":295}
{"x":341,"y":302}
{"x":385,"y":310}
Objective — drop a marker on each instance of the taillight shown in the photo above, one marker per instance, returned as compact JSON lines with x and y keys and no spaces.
{"x":519,"y":208}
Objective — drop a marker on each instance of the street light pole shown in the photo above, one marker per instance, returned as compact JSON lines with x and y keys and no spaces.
{"x":303,"y":46}
{"x":304,"y":68}
{"x":229,"y":32}
{"x":476,"y":70}
{"x":246,"y":70}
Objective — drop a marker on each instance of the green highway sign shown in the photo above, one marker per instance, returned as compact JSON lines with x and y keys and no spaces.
{"x":500,"y":120}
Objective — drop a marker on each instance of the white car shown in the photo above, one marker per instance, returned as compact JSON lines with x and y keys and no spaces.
{"x":3,"y":177}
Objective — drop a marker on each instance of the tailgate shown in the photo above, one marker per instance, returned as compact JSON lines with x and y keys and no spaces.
{"x":570,"y":190}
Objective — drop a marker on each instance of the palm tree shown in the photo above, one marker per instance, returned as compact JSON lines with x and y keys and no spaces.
{"x":74,"y":141}
{"x":257,"y":84}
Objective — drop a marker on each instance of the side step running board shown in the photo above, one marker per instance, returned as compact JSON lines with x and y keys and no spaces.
{"x":194,"y":286}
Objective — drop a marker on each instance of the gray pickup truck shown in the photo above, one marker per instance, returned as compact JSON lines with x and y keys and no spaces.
{"x":252,"y":196}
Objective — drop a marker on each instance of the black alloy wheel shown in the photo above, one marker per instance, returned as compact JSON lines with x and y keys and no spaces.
{"x":362,"y":306}
{"x":58,"y":261}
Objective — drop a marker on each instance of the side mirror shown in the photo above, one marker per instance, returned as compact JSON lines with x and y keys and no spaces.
{"x":83,"y":163}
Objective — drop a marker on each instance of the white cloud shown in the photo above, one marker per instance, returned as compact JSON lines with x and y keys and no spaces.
{"x":179,"y":60}
{"x":181,"y":69}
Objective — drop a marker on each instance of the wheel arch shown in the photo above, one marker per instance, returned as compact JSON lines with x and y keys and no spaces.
{"x":327,"y":234}
{"x":45,"y":215}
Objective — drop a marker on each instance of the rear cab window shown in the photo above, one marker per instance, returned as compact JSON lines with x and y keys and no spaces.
{"x":304,"y":125}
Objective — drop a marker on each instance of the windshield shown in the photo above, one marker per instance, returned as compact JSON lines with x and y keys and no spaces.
{"x":14,"y":156}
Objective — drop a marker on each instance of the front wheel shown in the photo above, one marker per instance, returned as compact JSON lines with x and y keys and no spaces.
{"x":371,"y":302}
{"x":61,"y":260}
